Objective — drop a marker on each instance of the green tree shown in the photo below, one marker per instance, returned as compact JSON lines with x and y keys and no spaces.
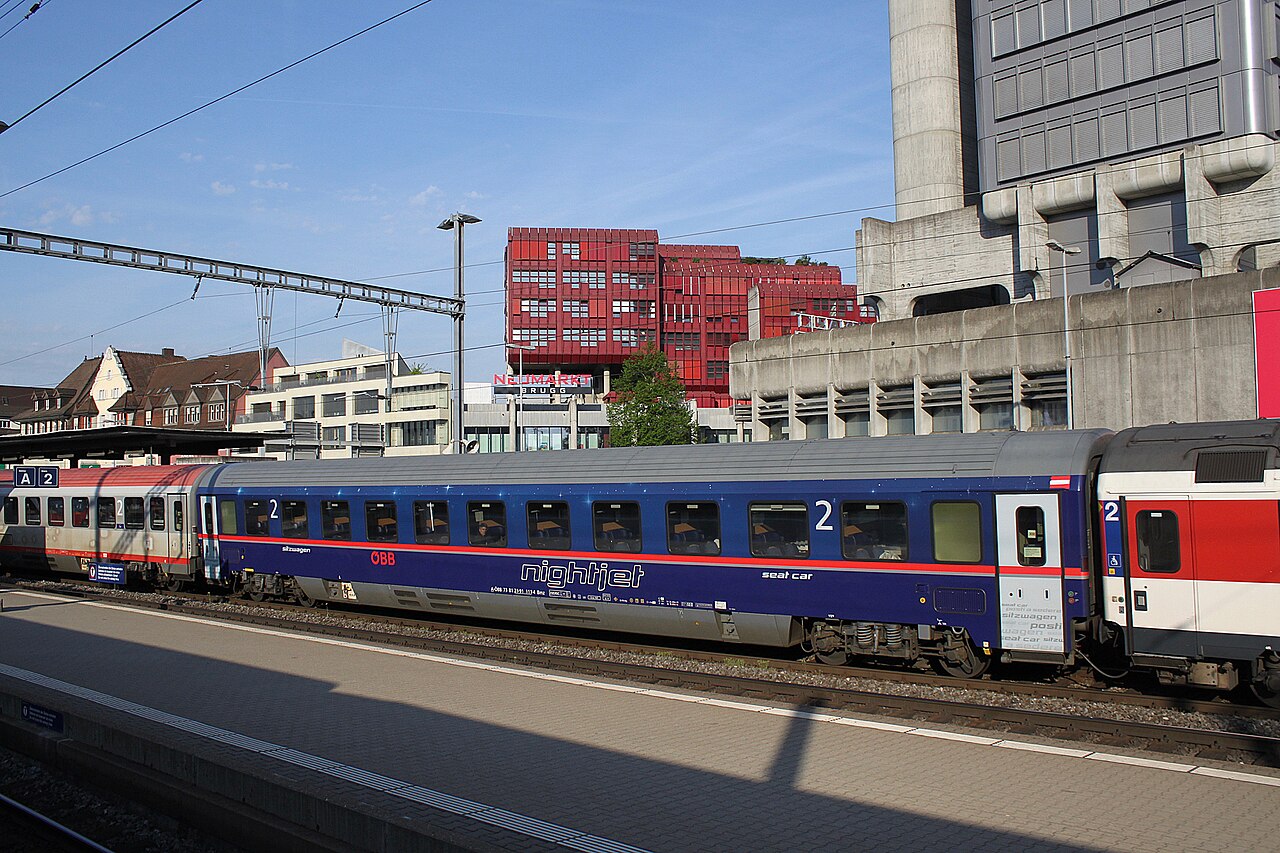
{"x":650,"y":408}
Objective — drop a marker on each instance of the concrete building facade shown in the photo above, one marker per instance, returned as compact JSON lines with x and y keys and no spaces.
{"x":1143,"y":133}
{"x":1178,"y":351}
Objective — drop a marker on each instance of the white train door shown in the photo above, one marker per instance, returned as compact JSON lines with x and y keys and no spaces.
{"x":176,"y":531}
{"x":1030,"y":577}
{"x":209,"y":551}
{"x":1162,"y":575}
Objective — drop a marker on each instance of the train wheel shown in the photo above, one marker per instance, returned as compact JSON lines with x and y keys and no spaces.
{"x":963,"y":661}
{"x":174,"y":584}
{"x":835,"y":657}
{"x":1266,"y":696}
{"x":302,"y":598}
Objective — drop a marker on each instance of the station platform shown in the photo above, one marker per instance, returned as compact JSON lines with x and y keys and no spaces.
{"x":397,"y":750}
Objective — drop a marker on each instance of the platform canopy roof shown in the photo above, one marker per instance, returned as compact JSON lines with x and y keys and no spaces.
{"x":119,"y":442}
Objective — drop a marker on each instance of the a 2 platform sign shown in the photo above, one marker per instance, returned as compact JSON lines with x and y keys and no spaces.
{"x":35,"y":476}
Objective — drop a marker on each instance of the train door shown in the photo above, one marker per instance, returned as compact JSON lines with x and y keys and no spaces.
{"x":1030,"y":576}
{"x":1161,"y":578}
{"x":209,"y":551}
{"x":176,"y":532}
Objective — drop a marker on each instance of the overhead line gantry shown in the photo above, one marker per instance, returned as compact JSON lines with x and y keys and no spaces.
{"x":265,"y":280}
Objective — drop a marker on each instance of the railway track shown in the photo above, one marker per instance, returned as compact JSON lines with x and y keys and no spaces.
{"x":1229,"y":743}
{"x":25,"y":829}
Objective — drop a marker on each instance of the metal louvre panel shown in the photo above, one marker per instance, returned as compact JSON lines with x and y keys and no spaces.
{"x":1055,"y":82}
{"x":1008,"y":158}
{"x":1168,"y":47}
{"x":1083,"y":74}
{"x":1054,"y":13}
{"x":1026,"y":454}
{"x":1031,"y":87}
{"x":1142,"y":126}
{"x":1115,"y":135}
{"x":1173,"y":118}
{"x":1033,"y":153}
{"x":1206,"y":118}
{"x":1231,"y":466}
{"x":1108,"y":9}
{"x":1202,"y":40}
{"x":1138,"y":58}
{"x":1059,"y":146}
{"x":1081,"y":14}
{"x":1006,"y":95}
{"x":1111,"y":66}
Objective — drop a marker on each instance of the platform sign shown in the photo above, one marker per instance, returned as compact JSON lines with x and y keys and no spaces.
{"x":107,"y":573}
{"x":35,"y":476}
{"x":39,"y":716}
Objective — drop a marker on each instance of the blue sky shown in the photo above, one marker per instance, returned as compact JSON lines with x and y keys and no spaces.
{"x":680,"y":116}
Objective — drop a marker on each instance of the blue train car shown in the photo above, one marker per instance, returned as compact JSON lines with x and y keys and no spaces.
{"x":951,"y":548}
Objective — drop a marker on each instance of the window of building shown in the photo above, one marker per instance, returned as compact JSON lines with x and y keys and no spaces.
{"x":572,"y":250}
{"x":135,"y":517}
{"x":545,"y":438}
{"x":548,"y":523}
{"x":155,"y":513}
{"x":417,"y":433}
{"x":255,"y":518}
{"x":146,"y":418}
{"x":542,"y":278}
{"x":487,"y":524}
{"x":577,"y":307}
{"x":193,"y":414}
{"x":333,"y":436}
{"x":616,"y":526}
{"x":585,"y":337}
{"x":31,"y":512}
{"x":947,"y":419}
{"x":1158,"y":546}
{"x":217,"y":412}
{"x":957,"y":532}
{"x":380,"y":521}
{"x":334,"y":405}
{"x":304,"y":408}
{"x":431,"y":522}
{"x":779,"y":529}
{"x":594,"y":279}
{"x":79,"y":512}
{"x":106,"y":513}
{"x":364,"y":403}
{"x":293,"y":520}
{"x":681,"y":341}
{"x":551,"y":249}
{"x":626,"y":337}
{"x":335,"y":520}
{"x":693,"y":528}
{"x":57,"y":512}
{"x":538,"y":307}
{"x":537,"y":337}
{"x":873,"y":530}
{"x":642,"y":251}
{"x":995,"y":416}
{"x":170,"y":415}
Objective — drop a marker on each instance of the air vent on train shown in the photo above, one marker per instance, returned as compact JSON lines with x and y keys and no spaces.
{"x":1231,"y":466}
{"x":575,"y":613}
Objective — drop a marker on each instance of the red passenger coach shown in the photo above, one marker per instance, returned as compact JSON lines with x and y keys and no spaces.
{"x":1190,"y":518}
{"x":106,"y":523}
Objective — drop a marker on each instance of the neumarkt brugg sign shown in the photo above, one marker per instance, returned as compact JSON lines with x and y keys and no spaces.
{"x":542,"y":383}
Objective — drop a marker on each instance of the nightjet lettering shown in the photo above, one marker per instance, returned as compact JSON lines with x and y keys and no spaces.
{"x":598,"y":575}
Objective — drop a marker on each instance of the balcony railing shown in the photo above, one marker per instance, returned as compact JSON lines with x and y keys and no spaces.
{"x":260,"y":417}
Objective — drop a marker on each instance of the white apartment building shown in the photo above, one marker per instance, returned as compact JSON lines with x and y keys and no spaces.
{"x":346,"y":401}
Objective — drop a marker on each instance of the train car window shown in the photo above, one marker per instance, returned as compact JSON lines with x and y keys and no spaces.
{"x":548,"y":525}
{"x":155,"y":509}
{"x":616,"y":526}
{"x":873,"y":530}
{"x":335,"y":520}
{"x":177,"y":516}
{"x":693,"y":528}
{"x":380,"y":521}
{"x":1030,"y":521}
{"x":135,"y":517}
{"x":294,"y":523}
{"x":256,"y":515}
{"x":227,"y":518}
{"x":79,"y":512}
{"x":957,"y":532}
{"x":10,"y":510}
{"x":1158,"y":546}
{"x":31,"y":511}
{"x":106,"y":512}
{"x":487,"y":523}
{"x":57,"y":512}
{"x":431,"y":522}
{"x":779,"y":530}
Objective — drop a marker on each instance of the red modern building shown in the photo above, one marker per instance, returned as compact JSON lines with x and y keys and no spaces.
{"x":586,"y":299}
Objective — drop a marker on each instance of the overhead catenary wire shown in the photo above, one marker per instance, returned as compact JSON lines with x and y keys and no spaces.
{"x":39,"y":4}
{"x":104,"y":63}
{"x":216,"y":100}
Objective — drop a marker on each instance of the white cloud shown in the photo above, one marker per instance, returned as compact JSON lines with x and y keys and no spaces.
{"x":219,"y":188}
{"x":421,"y":198}
{"x":78,"y":215}
{"x":474,"y":195}
{"x":271,"y":167}
{"x":269,"y":184}
{"x":188,"y":157}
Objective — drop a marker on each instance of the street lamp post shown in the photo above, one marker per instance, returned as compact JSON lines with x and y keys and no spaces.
{"x":520,"y":395}
{"x":1055,"y":246}
{"x":455,"y":224}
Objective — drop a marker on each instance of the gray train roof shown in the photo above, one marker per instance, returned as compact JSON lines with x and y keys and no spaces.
{"x":1178,"y":447}
{"x":945,"y":456}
